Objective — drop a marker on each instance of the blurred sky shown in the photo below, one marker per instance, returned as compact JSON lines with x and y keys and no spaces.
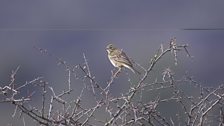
{"x":69,"y":28}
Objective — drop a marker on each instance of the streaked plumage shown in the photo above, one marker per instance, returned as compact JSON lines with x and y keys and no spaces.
{"x":119,"y":59}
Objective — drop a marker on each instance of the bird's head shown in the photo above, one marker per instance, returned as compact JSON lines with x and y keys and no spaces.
{"x":110,"y":48}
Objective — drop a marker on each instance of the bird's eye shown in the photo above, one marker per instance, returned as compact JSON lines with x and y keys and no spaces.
{"x":110,"y":47}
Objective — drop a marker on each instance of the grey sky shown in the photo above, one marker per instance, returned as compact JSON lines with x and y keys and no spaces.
{"x":69,"y":28}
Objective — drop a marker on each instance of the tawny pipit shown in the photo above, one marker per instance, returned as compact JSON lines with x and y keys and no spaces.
{"x":119,"y":59}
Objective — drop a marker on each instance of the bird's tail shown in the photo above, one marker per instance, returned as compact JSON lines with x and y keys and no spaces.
{"x":134,"y":70}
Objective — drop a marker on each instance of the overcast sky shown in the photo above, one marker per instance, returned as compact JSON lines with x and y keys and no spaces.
{"x":69,"y":28}
{"x":99,"y":14}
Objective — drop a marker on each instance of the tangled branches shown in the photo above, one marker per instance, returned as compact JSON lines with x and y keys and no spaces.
{"x":131,"y":108}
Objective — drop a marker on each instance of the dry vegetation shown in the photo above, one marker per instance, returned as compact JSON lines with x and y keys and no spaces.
{"x":127,"y":109}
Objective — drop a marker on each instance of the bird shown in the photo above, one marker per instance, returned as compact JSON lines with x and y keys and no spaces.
{"x":119,"y":59}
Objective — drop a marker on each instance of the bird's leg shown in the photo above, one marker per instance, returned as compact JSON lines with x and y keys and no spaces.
{"x":117,"y":72}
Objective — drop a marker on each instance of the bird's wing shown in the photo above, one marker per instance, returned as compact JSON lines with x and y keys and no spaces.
{"x":122,"y":58}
